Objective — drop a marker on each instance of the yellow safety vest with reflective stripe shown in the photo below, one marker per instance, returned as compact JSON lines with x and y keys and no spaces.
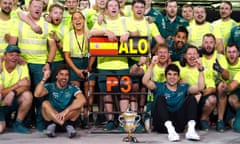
{"x":60,"y":30}
{"x":225,"y":28}
{"x":119,"y":26}
{"x":5,"y":27}
{"x":8,"y":79}
{"x":145,"y":29}
{"x":196,"y":33}
{"x":70,"y":45}
{"x":33,"y":46}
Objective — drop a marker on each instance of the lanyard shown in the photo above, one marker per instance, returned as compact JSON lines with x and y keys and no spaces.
{"x":79,"y":46}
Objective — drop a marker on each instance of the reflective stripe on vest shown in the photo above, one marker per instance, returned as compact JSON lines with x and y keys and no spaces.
{"x":35,"y":42}
{"x":3,"y":41}
{"x":30,"y":41}
{"x":33,"y":51}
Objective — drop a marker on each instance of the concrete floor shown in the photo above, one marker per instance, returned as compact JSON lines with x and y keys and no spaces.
{"x":96,"y":136}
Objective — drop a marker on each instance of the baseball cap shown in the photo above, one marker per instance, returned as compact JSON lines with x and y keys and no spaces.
{"x":12,"y":48}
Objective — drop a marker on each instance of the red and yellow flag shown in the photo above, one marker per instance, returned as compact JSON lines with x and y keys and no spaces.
{"x":101,"y":46}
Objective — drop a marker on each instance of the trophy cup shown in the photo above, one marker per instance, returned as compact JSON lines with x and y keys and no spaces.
{"x":129,"y":120}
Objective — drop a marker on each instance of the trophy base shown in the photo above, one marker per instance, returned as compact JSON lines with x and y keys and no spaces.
{"x":130,"y":139}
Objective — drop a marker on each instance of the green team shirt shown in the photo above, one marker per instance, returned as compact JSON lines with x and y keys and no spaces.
{"x":8,"y":79}
{"x":119,"y":26}
{"x":156,"y":17}
{"x":209,"y":72}
{"x":176,"y":55}
{"x":169,"y":28}
{"x":235,"y":36}
{"x":60,"y":99}
{"x":224,"y":28}
{"x":174,"y":99}
{"x":196,"y":32}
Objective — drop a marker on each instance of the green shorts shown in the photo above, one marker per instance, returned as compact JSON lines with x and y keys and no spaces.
{"x":81,"y":63}
{"x":5,"y":111}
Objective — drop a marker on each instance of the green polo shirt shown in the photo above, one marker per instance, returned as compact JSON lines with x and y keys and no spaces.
{"x":235,"y":36}
{"x":174,"y":53}
{"x":60,"y":99}
{"x":169,"y":28}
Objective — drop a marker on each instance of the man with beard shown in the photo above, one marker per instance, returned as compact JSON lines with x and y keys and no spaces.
{"x":163,"y":57}
{"x":178,"y":46}
{"x":230,"y":89}
{"x":34,"y":48}
{"x":5,"y":23}
{"x":189,"y":74}
{"x":215,"y":69}
{"x":171,"y":21}
{"x":225,"y":23}
{"x":174,"y":106}
{"x":59,"y":29}
{"x":200,"y":27}
{"x":63,"y":103}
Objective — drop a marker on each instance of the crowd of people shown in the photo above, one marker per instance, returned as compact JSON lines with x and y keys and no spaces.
{"x":49,"y":78}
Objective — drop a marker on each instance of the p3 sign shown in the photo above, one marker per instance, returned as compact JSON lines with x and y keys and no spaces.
{"x":118,"y":83}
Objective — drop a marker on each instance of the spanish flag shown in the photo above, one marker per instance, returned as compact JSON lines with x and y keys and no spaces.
{"x":101,"y":46}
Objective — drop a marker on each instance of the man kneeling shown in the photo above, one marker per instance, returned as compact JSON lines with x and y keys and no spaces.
{"x":63,"y":103}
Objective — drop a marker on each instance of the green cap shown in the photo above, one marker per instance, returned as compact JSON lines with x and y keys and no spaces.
{"x":12,"y":48}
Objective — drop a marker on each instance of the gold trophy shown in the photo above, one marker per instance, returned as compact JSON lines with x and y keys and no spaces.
{"x":129,"y":120}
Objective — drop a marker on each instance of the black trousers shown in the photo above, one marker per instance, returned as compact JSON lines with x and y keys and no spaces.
{"x":179,"y":118}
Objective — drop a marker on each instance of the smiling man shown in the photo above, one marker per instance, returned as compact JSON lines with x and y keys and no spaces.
{"x":173,"y":106}
{"x":63,"y":103}
{"x":15,"y":90}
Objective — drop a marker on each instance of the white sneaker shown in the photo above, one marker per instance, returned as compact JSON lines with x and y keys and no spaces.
{"x":173,"y":137}
{"x":192,"y":135}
